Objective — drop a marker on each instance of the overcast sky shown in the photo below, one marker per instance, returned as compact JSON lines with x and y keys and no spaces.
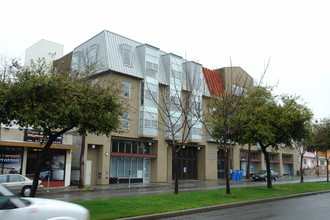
{"x":294,"y":35}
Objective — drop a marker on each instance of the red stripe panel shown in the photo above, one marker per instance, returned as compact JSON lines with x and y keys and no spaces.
{"x":133,"y":155}
{"x":213,"y":81}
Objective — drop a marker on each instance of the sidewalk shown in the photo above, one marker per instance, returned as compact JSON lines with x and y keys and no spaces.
{"x":184,"y":185}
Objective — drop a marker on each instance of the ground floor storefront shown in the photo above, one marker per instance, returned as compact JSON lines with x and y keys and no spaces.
{"x":280,"y":162}
{"x":112,"y":160}
{"x":22,"y":157}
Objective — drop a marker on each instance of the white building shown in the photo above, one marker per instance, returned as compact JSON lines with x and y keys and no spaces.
{"x":44,"y":49}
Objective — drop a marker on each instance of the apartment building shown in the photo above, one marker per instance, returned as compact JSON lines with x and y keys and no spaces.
{"x":142,"y":152}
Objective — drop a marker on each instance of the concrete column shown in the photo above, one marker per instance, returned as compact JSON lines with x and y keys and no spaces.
{"x":263,"y":165}
{"x":281,"y":164}
{"x":68,"y":160}
{"x":24,"y":161}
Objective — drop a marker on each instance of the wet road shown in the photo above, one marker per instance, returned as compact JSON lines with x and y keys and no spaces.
{"x":302,"y":208}
{"x":122,"y":190}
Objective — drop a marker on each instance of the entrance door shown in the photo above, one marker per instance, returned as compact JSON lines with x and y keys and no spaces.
{"x":146,"y":170}
{"x":88,"y":177}
{"x":187,"y":163}
{"x":221,"y":164}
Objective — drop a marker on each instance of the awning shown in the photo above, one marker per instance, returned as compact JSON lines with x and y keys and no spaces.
{"x":5,"y":143}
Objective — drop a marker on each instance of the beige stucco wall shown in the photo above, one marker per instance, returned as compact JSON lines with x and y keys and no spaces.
{"x":100,"y":157}
{"x":235,"y":75}
{"x":12,"y":134}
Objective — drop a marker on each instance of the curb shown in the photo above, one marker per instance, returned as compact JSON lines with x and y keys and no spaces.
{"x":216,"y":207}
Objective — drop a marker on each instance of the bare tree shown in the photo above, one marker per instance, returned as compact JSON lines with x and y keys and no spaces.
{"x":177,"y":104}
{"x":225,"y":115}
{"x":8,"y":68}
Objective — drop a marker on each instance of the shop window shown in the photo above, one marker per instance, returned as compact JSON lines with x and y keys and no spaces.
{"x":115,"y":144}
{"x":113,"y":170}
{"x":11,"y":159}
{"x":141,"y":148}
{"x":134,"y":148}
{"x":127,"y":166}
{"x":128,"y":147}
{"x":121,"y":147}
{"x":120,"y":167}
{"x":134,"y":167}
{"x":272,"y":157}
{"x":147,"y":149}
{"x":54,"y":162}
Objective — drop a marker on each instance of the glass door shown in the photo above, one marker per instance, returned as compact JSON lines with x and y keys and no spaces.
{"x":146,"y":170}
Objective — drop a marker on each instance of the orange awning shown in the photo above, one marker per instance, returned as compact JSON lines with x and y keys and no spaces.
{"x":4,"y":143}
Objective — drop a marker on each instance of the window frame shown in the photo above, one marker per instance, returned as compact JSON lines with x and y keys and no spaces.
{"x":125,"y":120}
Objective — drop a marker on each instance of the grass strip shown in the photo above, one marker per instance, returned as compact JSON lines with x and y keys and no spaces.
{"x":142,"y":205}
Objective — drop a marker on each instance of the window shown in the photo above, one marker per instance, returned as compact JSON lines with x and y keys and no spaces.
{"x":125,"y":120}
{"x":176,"y":74}
{"x":272,"y":157}
{"x":238,"y":90}
{"x":305,"y":162}
{"x":14,"y":178}
{"x":93,"y":53}
{"x":175,"y":100}
{"x":128,"y":147}
{"x":254,"y":156}
{"x":287,"y":158}
{"x":151,"y":64}
{"x":150,"y":123}
{"x":141,"y":93}
{"x":126,"y":89}
{"x":312,"y":161}
{"x":196,"y":131}
{"x":127,"y":54}
{"x":115,"y":146}
{"x":322,"y":162}
{"x":151,"y":95}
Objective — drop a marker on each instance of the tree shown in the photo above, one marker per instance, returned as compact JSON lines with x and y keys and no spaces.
{"x":226,"y":117}
{"x":302,"y":147}
{"x":55,"y":102}
{"x":177,"y":107}
{"x":86,"y":64}
{"x":274,"y":122}
{"x":321,"y":140}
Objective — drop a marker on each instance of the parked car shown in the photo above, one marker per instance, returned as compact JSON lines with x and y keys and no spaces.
{"x":13,"y":207}
{"x":18,"y":184}
{"x":262,"y":175}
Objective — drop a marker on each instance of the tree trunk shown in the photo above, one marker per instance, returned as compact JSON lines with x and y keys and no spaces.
{"x":40,"y":162}
{"x":227,"y":162}
{"x":247,"y":176}
{"x":301,"y":168}
{"x":269,"y":177}
{"x":82,"y":163}
{"x":317,"y":164}
{"x":176,"y":169}
{"x":326,"y":154}
{"x":42,"y":158}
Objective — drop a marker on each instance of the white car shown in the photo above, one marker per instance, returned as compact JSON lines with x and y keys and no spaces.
{"x":13,"y":207}
{"x":18,"y":184}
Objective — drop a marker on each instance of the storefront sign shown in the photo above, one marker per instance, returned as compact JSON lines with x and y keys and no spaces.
{"x":36,"y":136}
